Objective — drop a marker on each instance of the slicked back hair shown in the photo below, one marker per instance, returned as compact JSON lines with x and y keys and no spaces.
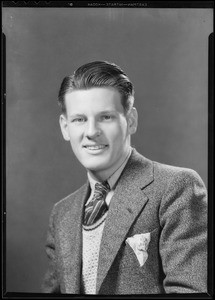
{"x":98,"y":74}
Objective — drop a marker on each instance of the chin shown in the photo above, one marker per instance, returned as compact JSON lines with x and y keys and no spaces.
{"x":95,"y":168}
{"x":95,"y":165}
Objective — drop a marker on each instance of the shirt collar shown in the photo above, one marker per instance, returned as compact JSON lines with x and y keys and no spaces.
{"x":112,"y":180}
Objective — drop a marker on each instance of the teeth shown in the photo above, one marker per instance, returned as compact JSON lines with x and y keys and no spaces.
{"x":95,"y":147}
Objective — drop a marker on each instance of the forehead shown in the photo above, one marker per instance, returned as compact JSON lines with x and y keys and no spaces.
{"x":94,"y":99}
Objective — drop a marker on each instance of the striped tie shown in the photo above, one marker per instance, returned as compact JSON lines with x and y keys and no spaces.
{"x":97,"y":207}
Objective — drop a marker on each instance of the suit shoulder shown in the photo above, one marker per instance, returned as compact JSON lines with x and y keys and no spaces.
{"x":69,"y":199}
{"x":162,"y":167}
{"x":169,"y":172}
{"x":162,"y":173}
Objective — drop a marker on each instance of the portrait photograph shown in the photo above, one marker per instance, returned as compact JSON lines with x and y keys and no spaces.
{"x":65,"y":125}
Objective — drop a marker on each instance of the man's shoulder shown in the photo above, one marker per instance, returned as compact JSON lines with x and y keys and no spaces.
{"x":177,"y":177}
{"x":166,"y":172}
{"x":160,"y":166}
{"x":70,"y":199}
{"x":170,"y":171}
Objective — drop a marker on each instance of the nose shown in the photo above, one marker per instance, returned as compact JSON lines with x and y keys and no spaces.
{"x":92,"y":129}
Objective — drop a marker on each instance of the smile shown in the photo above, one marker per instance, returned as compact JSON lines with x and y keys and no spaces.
{"x":95,"y":147}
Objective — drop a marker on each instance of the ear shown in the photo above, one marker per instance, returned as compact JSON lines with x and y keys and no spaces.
{"x":132,"y":121}
{"x":64,"y":127}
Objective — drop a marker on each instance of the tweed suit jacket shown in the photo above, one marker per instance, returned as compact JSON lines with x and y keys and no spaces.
{"x":169,"y":203}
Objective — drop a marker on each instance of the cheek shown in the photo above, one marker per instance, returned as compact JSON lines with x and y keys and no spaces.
{"x":119,"y":133}
{"x":117,"y":142}
{"x":74,"y":134}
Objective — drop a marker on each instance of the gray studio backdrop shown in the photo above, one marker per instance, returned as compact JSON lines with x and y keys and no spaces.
{"x":165,"y":54}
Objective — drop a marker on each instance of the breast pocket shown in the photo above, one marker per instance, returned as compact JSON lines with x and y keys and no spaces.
{"x":144,"y":246}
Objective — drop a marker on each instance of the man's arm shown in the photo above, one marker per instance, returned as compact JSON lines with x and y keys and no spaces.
{"x":183,"y":240}
{"x":51,"y":278}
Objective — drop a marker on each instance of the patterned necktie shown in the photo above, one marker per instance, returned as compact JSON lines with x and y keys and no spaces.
{"x":97,"y":206}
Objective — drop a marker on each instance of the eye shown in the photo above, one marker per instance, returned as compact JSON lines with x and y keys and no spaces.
{"x":78,"y":120}
{"x":106,"y":117}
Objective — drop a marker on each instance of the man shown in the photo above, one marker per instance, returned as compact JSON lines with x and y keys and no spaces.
{"x":136,"y":226}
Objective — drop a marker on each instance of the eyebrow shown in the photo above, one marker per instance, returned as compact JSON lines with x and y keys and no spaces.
{"x":107,"y":111}
{"x":99,"y":113}
{"x":75,"y":116}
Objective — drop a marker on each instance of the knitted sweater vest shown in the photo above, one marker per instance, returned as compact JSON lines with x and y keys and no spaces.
{"x":92,"y":236}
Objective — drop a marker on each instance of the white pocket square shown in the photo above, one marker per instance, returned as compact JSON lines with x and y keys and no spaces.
{"x":139,"y":243}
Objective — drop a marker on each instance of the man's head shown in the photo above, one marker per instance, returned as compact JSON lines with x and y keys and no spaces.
{"x":98,"y":116}
{"x":98,"y":74}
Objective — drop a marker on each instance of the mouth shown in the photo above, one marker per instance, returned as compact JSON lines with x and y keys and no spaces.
{"x":95,"y":147}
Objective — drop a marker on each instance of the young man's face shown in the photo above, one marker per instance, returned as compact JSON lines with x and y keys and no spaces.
{"x":98,"y":129}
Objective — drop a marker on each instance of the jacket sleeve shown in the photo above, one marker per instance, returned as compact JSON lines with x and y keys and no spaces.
{"x":51,"y":279}
{"x":183,"y":239}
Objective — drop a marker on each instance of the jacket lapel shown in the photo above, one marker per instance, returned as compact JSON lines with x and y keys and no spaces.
{"x":126,"y":204}
{"x":71,"y":241}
